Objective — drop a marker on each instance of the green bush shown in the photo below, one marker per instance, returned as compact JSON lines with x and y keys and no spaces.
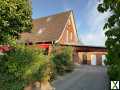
{"x":21,"y":66}
{"x":113,"y":62}
{"x":62,"y":60}
{"x":114,"y":72}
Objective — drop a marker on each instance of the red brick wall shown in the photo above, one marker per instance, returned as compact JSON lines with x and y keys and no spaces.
{"x":98,"y":57}
{"x":63,"y":39}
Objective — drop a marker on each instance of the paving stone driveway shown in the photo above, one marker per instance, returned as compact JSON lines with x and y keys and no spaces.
{"x":84,"y":77}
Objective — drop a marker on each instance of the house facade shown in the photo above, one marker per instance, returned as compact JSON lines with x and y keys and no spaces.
{"x":60,"y":28}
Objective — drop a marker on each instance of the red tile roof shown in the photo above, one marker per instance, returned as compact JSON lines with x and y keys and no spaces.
{"x":47,"y":29}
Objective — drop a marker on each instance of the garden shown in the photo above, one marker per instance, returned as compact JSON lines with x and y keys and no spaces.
{"x":24,"y":66}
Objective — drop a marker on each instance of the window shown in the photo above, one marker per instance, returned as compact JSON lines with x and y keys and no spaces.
{"x":67,"y":37}
{"x":48,"y":19}
{"x":41,"y":29}
{"x":71,"y":36}
{"x":69,"y":22}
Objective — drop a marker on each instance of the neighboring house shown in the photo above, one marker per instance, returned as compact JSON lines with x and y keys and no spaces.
{"x":60,"y":28}
{"x":4,"y":48}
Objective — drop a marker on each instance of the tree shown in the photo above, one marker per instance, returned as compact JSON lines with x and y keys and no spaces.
{"x":112,"y":27}
{"x":15,"y":18}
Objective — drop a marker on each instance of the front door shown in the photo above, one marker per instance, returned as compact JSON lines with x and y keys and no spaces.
{"x":103,"y":59}
{"x":93,"y":59}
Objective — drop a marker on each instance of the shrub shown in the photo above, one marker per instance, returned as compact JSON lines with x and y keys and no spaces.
{"x":113,"y":72}
{"x":21,"y":66}
{"x":62,"y":60}
{"x":113,"y":62}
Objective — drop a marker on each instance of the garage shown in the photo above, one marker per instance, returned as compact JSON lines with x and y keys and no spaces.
{"x":91,"y":55}
{"x":93,"y":59}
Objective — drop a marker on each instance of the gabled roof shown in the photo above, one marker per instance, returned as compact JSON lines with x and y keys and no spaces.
{"x":47,"y":29}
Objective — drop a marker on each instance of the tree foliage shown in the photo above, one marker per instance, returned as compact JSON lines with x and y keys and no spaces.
{"x":15,"y":17}
{"x":112,"y":27}
{"x":21,"y":67}
{"x":62,"y":59}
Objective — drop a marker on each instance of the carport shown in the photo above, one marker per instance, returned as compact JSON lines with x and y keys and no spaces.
{"x":92,"y":55}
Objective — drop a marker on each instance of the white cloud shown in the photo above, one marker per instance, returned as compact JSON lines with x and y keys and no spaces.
{"x":95,"y":22}
{"x":95,"y":39}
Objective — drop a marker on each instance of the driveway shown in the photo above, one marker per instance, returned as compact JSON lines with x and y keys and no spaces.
{"x":84,"y":77}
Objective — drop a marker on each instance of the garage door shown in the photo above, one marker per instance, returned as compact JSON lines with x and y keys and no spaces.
{"x":93,"y":59}
{"x":103,"y":59}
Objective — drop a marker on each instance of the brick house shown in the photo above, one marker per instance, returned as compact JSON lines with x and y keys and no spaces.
{"x":60,"y":28}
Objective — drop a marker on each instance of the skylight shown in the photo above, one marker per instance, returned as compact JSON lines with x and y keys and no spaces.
{"x":48,"y":19}
{"x":41,"y":29}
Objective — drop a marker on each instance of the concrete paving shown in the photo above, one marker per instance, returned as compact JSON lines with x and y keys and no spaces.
{"x":84,"y":77}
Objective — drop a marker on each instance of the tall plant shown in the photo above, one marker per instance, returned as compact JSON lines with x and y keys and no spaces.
{"x":112,"y":28}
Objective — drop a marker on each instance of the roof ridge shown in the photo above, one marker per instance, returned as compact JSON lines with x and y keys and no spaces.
{"x":54,"y":25}
{"x":69,"y":11}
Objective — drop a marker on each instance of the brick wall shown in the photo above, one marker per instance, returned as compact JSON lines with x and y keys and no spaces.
{"x":98,"y":57}
{"x":67,"y":34}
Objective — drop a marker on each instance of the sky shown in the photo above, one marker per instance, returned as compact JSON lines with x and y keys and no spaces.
{"x":89,"y":21}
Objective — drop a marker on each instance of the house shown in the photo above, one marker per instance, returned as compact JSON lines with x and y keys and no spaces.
{"x":60,"y":28}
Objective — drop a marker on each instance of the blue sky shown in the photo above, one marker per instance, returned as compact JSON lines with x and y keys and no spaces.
{"x":89,"y":21}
